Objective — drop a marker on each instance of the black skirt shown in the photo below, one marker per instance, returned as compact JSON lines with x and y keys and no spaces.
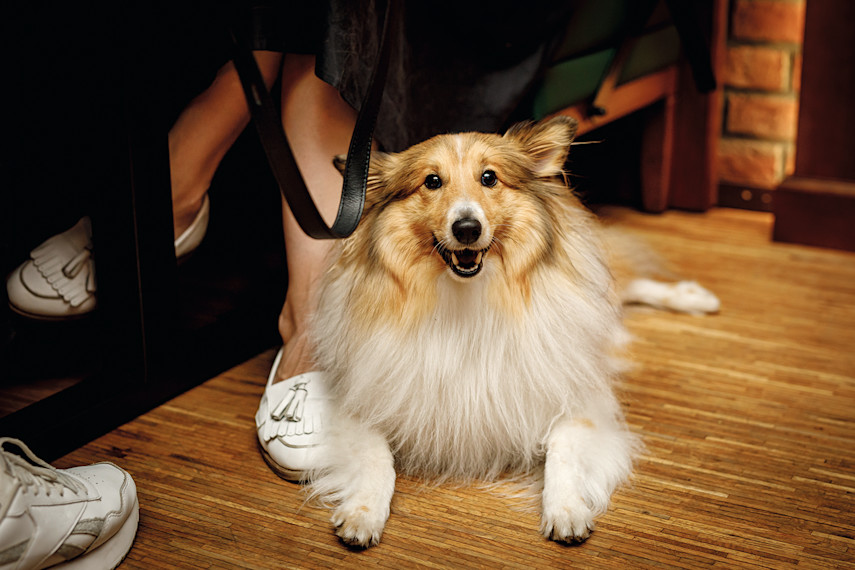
{"x":455,"y":66}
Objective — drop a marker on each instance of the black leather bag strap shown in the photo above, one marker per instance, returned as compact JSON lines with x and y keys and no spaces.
{"x":265,"y":116}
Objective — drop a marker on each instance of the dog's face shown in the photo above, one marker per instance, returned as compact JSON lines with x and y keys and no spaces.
{"x":459,"y":204}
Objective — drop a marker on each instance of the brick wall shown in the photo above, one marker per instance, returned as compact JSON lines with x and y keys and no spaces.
{"x":761,"y":80}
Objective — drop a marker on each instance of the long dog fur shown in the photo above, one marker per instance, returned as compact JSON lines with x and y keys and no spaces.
{"x":444,"y":376}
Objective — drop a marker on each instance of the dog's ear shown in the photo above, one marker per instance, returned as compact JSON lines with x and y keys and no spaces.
{"x":379,"y":163}
{"x":546,"y":142}
{"x":339,"y":162}
{"x":377,"y":173}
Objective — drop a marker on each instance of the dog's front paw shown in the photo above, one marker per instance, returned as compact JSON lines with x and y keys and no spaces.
{"x":571,"y":521}
{"x":359,"y":523}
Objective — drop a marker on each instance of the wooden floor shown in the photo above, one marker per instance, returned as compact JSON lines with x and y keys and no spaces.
{"x":748,"y":418}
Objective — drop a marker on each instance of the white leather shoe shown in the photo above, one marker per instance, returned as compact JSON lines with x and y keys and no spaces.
{"x":83,"y":518}
{"x":58,"y":281}
{"x":190,"y":238}
{"x":290,"y":422}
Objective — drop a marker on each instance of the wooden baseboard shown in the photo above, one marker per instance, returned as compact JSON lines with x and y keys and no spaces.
{"x":745,"y":197}
{"x":817,"y":212}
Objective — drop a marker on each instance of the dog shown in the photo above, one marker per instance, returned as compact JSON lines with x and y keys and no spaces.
{"x":471,"y":329}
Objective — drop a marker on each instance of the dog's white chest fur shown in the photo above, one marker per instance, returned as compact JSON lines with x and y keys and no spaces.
{"x":473,"y":389}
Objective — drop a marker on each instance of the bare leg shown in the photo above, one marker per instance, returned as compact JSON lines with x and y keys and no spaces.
{"x":319,"y":124}
{"x":203,"y":133}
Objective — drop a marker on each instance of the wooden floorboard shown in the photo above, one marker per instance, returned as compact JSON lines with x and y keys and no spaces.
{"x":748,"y":418}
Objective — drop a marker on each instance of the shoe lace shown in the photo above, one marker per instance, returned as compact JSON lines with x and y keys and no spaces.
{"x":33,"y":473}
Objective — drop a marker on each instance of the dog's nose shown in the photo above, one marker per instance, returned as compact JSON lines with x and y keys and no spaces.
{"x":466,"y":230}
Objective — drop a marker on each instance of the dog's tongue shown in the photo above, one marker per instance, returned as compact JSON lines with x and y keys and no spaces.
{"x":466,"y":257}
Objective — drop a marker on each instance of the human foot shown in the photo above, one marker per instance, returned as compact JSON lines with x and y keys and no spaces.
{"x":58,"y":281}
{"x":82,"y":517}
{"x":193,"y":233}
{"x":290,"y":421}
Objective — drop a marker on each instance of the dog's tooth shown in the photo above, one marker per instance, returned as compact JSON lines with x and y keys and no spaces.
{"x":454,"y":258}
{"x":479,"y":257}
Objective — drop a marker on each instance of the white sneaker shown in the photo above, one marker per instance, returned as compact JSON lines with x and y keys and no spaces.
{"x":58,"y":281}
{"x":290,"y":422}
{"x":83,"y":518}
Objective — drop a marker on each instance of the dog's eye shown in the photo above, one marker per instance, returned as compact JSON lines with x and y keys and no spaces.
{"x":489,"y":178}
{"x":432,"y":182}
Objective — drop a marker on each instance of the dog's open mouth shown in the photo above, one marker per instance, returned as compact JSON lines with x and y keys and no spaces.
{"x":463,"y":262}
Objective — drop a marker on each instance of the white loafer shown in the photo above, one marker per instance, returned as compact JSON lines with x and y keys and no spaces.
{"x":290,"y":422}
{"x":190,"y":238}
{"x":58,"y":281}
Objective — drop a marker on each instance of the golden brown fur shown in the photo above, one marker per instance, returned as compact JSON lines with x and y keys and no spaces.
{"x":394,"y":247}
{"x":470,"y":327}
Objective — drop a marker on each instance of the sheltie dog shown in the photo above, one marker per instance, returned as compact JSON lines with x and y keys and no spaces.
{"x":470,"y":328}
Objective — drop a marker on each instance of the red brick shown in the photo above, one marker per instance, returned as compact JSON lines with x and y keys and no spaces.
{"x":797,"y":72}
{"x":753,"y":67}
{"x":790,"y":162}
{"x":753,"y":163}
{"x":763,"y":116}
{"x":769,"y":20}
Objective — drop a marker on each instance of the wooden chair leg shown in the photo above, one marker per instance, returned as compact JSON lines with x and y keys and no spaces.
{"x":657,"y":150}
